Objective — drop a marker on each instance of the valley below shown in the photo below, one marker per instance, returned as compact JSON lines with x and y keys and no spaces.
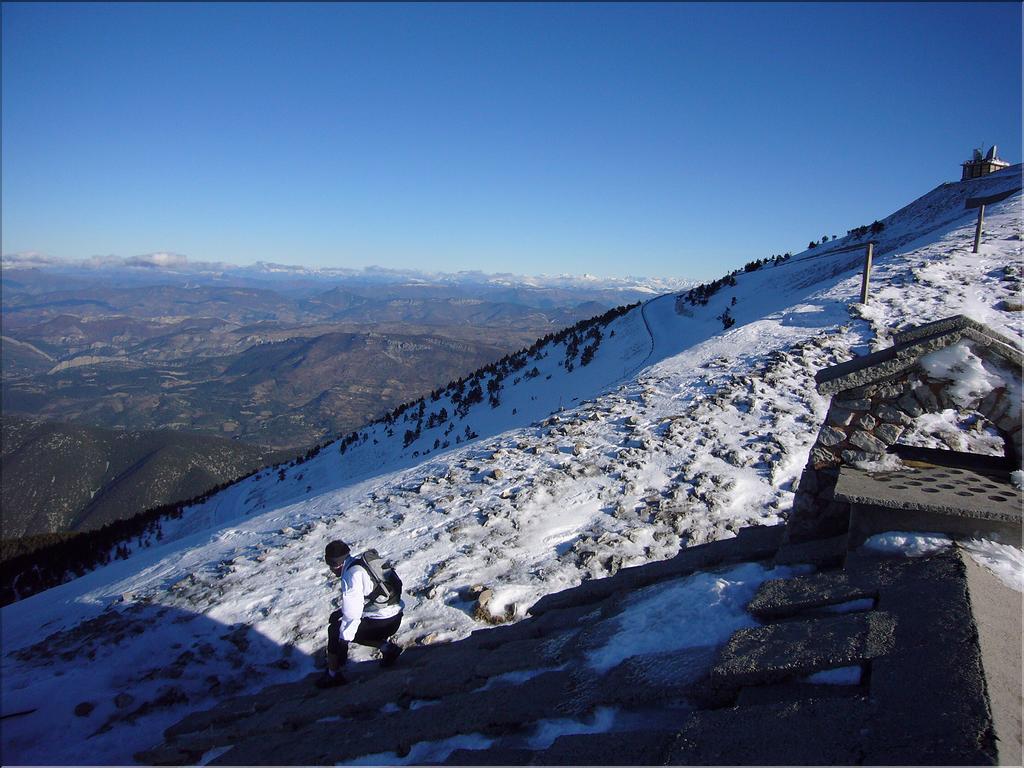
{"x":250,"y":364}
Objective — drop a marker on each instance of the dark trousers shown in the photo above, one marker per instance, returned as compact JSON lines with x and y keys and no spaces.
{"x":371,"y":632}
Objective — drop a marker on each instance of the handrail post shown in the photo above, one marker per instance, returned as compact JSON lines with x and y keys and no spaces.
{"x":977,"y":229}
{"x":865,"y":280}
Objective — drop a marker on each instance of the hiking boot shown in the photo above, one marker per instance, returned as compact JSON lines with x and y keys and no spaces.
{"x":389,"y":654}
{"x":327,"y":680}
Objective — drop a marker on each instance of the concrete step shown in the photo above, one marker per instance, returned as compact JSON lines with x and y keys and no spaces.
{"x":782,"y":692}
{"x":777,"y":652}
{"x":615,"y":748}
{"x":655,"y":679}
{"x":491,"y":711}
{"x":779,"y":598}
{"x":533,"y":627}
{"x":758,"y":542}
{"x":495,"y":756}
{"x":931,"y":690}
{"x":805,"y":732}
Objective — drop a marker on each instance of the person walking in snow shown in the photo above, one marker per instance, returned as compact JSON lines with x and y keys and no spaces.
{"x":370,"y":613}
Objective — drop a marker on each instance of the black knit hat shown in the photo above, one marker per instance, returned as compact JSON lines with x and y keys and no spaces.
{"x":336,"y":550}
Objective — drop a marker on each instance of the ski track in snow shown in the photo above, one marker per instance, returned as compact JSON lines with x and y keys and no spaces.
{"x":677,"y":433}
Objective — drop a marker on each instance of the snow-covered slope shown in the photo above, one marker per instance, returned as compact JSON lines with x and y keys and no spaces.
{"x":676,"y":432}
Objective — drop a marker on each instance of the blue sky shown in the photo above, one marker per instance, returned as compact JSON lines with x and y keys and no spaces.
{"x":664,"y":139}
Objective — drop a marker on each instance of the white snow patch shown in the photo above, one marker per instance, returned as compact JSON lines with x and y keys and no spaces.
{"x":907,"y":543}
{"x":1005,"y":561}
{"x":1017,"y":479}
{"x":517,"y":677}
{"x":851,"y":606}
{"x":543,"y":735}
{"x":426,"y":751}
{"x":547,"y":731}
{"x":837,"y":676}
{"x":959,"y":430}
{"x":700,"y":610}
{"x":212,"y":754}
{"x":972,"y":378}
{"x":889,"y":462}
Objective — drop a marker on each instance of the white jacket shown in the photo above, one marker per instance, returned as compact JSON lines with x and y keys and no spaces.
{"x":356,"y":585}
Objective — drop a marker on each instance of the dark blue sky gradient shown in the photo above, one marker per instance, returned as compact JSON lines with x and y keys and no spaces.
{"x":662,"y":139}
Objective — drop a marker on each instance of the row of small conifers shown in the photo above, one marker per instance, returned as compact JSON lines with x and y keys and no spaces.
{"x":32,"y":564}
{"x":36,"y":563}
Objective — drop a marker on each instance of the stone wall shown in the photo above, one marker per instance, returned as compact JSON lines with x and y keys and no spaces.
{"x":863,"y":422}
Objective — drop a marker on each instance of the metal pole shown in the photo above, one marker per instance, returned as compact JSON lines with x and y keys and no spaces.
{"x":977,"y":230}
{"x":867,"y":274}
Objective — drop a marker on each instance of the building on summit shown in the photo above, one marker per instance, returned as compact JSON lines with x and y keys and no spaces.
{"x":979,"y":166}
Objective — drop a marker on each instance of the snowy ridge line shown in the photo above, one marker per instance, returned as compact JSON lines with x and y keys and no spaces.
{"x":952,"y":196}
{"x":626,"y":375}
{"x":62,"y":561}
{"x":515,"y":361}
{"x":1006,"y":181}
{"x":844,"y":249}
{"x":1000,"y":180}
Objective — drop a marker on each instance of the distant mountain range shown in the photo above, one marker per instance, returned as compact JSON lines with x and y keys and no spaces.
{"x":279,"y":356}
{"x":165,"y":266}
{"x":273,"y":357}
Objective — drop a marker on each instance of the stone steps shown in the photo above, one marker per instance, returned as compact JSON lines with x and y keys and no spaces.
{"x":752,"y":543}
{"x":779,"y":652}
{"x":780,"y":598}
{"x":495,"y":756}
{"x":802,"y":732}
{"x":615,"y":748}
{"x":930,"y":689}
{"x":541,"y":625}
{"x":792,"y":691}
{"x":491,"y":711}
{"x":921,"y":696}
{"x":658,"y":679}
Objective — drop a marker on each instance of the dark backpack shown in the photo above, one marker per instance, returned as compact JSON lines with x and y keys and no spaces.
{"x":387,"y":586}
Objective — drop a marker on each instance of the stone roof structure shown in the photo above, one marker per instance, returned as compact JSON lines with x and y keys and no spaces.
{"x":878,"y":396}
{"x":922,"y":691}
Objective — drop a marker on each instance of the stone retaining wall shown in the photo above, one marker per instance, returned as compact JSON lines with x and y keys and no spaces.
{"x":863,"y":422}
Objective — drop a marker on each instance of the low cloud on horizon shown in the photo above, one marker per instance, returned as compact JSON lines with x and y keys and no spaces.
{"x":180,"y":263}
{"x":161,"y":259}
